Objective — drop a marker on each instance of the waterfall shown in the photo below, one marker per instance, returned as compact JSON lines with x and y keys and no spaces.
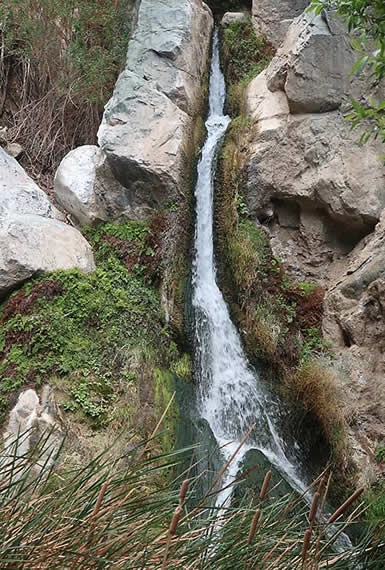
{"x":231,"y":395}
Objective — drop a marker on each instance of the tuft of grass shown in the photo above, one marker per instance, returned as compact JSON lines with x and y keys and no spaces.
{"x":316,"y":384}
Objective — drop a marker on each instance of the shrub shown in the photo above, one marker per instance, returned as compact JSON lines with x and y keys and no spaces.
{"x":316,"y":384}
{"x":59,"y":63}
{"x":245,"y":55}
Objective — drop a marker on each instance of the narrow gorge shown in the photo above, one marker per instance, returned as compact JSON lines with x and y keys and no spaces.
{"x":192,"y":314}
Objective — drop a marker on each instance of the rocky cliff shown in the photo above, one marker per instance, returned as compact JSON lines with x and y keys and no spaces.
{"x":320,"y":195}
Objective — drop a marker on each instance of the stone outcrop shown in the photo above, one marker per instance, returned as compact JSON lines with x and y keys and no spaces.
{"x":32,"y":427}
{"x":147,"y":124}
{"x":145,"y":136}
{"x":313,"y":64}
{"x":272,"y":18}
{"x":18,"y":192}
{"x":75,"y":182}
{"x":232,"y":17}
{"x":355,"y":323}
{"x":30,"y":244}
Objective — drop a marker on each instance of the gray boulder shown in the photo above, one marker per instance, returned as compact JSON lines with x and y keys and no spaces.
{"x":324,"y":192}
{"x":74,"y":184}
{"x":232,"y":17}
{"x":30,"y":244}
{"x":313,"y":64}
{"x":147,"y":125}
{"x":18,"y":192}
{"x":272,"y":18}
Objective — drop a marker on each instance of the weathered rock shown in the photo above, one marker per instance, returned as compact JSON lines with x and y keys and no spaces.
{"x":147,"y":124}
{"x":272,"y":18}
{"x":14,"y":149}
{"x":313,"y":64}
{"x":175,"y":57}
{"x":354,"y":322}
{"x":232,"y":17}
{"x":30,"y":244}
{"x":18,"y":192}
{"x":269,"y":110}
{"x":74,"y":185}
{"x":32,"y":427}
{"x":316,"y":160}
{"x":143,"y":135}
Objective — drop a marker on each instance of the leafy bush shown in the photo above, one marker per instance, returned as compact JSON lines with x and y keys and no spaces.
{"x":365,"y":20}
{"x":245,"y":55}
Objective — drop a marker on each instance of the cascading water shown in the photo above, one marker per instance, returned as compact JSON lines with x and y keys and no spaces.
{"x":231,"y":396}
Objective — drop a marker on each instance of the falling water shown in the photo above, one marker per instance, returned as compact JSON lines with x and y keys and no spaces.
{"x":231,"y":396}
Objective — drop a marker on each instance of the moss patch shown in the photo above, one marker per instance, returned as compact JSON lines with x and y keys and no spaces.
{"x":98,"y":337}
{"x":244,"y":56}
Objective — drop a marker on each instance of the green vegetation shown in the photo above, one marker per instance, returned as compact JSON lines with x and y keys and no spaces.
{"x":245,"y":55}
{"x":123,"y":513}
{"x":365,"y":19}
{"x":280,"y":319}
{"x":97,"y":338}
{"x":59,"y":62}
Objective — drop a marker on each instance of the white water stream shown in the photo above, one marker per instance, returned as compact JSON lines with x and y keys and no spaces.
{"x":232,"y":397}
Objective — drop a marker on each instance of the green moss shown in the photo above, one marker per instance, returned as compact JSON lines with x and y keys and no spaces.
{"x":245,"y":55}
{"x":82,"y":332}
{"x":164,"y":391}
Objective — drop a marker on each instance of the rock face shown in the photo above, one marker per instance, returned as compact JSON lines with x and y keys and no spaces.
{"x":147,"y":124}
{"x":313,"y":64}
{"x":18,"y":192}
{"x":231,"y":17}
{"x":30,"y":244}
{"x":32,"y":423}
{"x":325,"y":195}
{"x":273,"y":17}
{"x":355,"y":323}
{"x":31,"y":239}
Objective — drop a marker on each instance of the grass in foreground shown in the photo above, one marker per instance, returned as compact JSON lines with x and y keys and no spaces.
{"x":122,"y":514}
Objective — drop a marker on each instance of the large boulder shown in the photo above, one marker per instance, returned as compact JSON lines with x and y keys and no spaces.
{"x":30,"y":244}
{"x":170,"y":48}
{"x":317,"y":159}
{"x":147,"y":124}
{"x":18,"y":192}
{"x":272,"y":18}
{"x":307,"y":171}
{"x":313,"y":64}
{"x":75,"y":184}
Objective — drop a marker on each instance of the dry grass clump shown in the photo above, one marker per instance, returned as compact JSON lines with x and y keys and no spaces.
{"x":58,"y":64}
{"x":317,"y":386}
